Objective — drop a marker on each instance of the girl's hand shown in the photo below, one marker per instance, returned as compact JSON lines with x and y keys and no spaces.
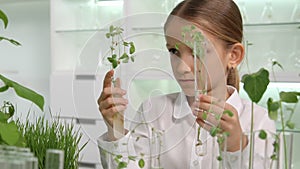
{"x":212,"y":112}
{"x":111,"y":101}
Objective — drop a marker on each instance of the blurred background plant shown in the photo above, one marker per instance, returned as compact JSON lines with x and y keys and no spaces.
{"x":9,"y":133}
{"x":44,"y":134}
{"x":41,"y":135}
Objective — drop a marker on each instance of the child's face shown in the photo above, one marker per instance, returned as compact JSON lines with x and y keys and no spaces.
{"x":210,"y":71}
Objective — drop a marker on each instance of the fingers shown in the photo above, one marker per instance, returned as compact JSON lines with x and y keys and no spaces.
{"x":205,"y":124}
{"x":109,"y":113}
{"x":208,"y":118}
{"x":117,"y":83}
{"x":217,"y":116}
{"x":210,"y":112}
{"x":218,"y":108}
{"x":111,"y":102}
{"x":108,"y":92}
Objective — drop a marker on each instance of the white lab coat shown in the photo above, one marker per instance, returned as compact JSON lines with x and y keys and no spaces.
{"x":171,"y":116}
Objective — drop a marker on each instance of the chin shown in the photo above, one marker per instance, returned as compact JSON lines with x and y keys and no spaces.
{"x":189,"y":92}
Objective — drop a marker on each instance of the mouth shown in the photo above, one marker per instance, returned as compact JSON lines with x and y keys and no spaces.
{"x":185,"y":80}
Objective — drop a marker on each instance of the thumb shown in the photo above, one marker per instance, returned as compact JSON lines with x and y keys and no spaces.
{"x":108,"y":78}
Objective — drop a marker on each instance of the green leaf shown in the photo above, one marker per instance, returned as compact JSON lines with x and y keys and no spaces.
{"x":114,"y":56}
{"x":110,"y":59}
{"x":4,"y":117}
{"x":141,"y":163}
{"x":4,"y":88}
{"x":132,"y":58}
{"x":24,"y":92}
{"x":4,"y":18}
{"x":124,"y":56}
{"x":273,"y":157}
{"x":132,"y":48}
{"x":262,"y":134}
{"x":11,"y":41}
{"x":122,"y":164}
{"x":272,"y":106}
{"x":125,"y":43}
{"x":277,"y":63}
{"x":119,"y":156}
{"x":118,"y":30}
{"x":114,"y":64}
{"x":107,"y":35}
{"x":9,"y":133}
{"x":220,"y":139}
{"x":288,"y":97}
{"x":276,"y":146}
{"x":125,"y":60}
{"x":111,"y":29}
{"x":226,"y":134}
{"x":193,"y":27}
{"x":272,"y":109}
{"x":11,"y":109}
{"x":14,"y":42}
{"x":177,"y":46}
{"x":132,"y":158}
{"x":256,"y":84}
{"x":230,"y":113}
{"x":198,"y":37}
{"x":214,"y":131}
{"x":219,"y":158}
{"x":290,"y":124}
{"x":204,"y":115}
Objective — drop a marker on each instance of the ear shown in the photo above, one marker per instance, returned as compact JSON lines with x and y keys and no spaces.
{"x":236,"y":55}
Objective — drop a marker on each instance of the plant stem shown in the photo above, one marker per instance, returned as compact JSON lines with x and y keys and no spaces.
{"x":251,"y":136}
{"x":283,"y":135}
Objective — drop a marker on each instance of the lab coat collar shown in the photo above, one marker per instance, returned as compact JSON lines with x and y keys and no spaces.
{"x":234,"y":99}
{"x":182,"y":108}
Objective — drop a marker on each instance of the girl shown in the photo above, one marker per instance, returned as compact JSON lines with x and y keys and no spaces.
{"x":174,"y":118}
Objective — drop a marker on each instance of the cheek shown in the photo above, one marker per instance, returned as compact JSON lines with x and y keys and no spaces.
{"x":182,"y":65}
{"x":215,"y":67}
{"x":174,"y":63}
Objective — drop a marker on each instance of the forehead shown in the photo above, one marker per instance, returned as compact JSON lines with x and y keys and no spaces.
{"x":181,"y":30}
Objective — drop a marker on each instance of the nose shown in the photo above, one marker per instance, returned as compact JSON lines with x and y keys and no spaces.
{"x":185,"y":64}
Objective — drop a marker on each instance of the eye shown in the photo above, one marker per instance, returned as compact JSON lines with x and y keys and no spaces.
{"x":174,"y":51}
